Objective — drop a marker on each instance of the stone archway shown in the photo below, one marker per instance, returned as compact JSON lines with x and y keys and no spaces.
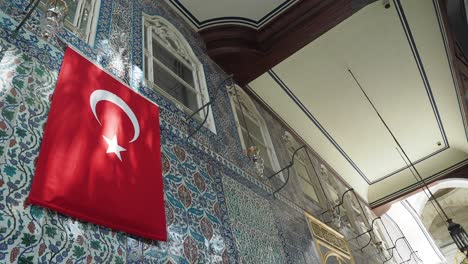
{"x":452,"y":194}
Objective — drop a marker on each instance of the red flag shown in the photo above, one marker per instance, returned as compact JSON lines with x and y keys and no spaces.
{"x":100,"y":158}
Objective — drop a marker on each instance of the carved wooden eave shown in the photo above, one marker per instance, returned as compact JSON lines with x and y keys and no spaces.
{"x":248,"y":53}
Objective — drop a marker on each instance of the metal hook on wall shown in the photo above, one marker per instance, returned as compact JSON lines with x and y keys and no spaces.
{"x":207,"y":106}
{"x":339,"y":204}
{"x":368,"y":231}
{"x":287,"y":167}
{"x":391,"y":256}
{"x":410,"y":257}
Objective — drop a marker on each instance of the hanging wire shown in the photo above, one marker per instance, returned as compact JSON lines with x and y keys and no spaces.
{"x":403,"y":237}
{"x":423,"y":182}
{"x":425,"y":191}
{"x":409,"y":247}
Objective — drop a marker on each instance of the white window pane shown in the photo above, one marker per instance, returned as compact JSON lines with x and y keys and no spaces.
{"x":254,"y":129}
{"x":174,"y":88}
{"x":308,"y":189}
{"x":173,"y":63}
{"x":301,"y":170}
{"x":84,"y":20}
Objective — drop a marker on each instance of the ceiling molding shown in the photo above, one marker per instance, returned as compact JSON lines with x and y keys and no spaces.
{"x":237,"y":20}
{"x":248,"y":53}
{"x":459,"y":170}
{"x":311,"y":117}
{"x":459,"y":68}
{"x":418,"y":61}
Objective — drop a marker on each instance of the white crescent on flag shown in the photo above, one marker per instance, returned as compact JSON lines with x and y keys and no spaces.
{"x":103,"y":95}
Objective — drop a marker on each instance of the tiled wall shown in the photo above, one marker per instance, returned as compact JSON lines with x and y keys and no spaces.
{"x":217,"y":212}
{"x":253,"y":225}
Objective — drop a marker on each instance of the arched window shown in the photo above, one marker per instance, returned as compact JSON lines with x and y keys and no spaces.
{"x":171,"y":67}
{"x":249,"y":119}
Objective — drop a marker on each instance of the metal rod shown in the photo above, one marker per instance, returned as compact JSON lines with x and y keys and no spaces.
{"x":284,"y":184}
{"x":408,"y":260}
{"x":425,"y":191}
{"x":415,"y":255}
{"x":391,"y":256}
{"x":339,"y":204}
{"x":366,"y":245}
{"x":397,"y":142}
{"x":393,"y":242}
{"x":368,"y":231}
{"x":29,"y":5}
{"x":288,"y":167}
{"x":207,"y":106}
{"x":290,"y":163}
{"x":26,"y":17}
{"x":278,"y":172}
{"x":412,"y":250}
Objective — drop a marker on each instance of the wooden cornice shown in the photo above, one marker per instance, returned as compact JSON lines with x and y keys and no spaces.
{"x":248,"y":53}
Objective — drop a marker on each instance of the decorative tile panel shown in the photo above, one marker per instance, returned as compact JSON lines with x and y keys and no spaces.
{"x":30,"y":234}
{"x":253,"y":225}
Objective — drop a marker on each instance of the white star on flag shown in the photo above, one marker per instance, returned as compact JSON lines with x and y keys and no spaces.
{"x":113,"y":146}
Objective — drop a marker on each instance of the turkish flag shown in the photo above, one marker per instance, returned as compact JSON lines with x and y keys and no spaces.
{"x":100,"y":158}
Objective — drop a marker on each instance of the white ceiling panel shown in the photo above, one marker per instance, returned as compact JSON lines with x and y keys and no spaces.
{"x":398,"y":56}
{"x":205,"y":13}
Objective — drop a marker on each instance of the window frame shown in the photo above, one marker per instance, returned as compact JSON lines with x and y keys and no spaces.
{"x":254,"y":115}
{"x":91,"y":28}
{"x":190,"y":61}
{"x":309,"y":170}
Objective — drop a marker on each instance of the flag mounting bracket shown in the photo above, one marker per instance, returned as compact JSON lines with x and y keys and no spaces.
{"x":207,"y":105}
{"x":287,"y":167}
